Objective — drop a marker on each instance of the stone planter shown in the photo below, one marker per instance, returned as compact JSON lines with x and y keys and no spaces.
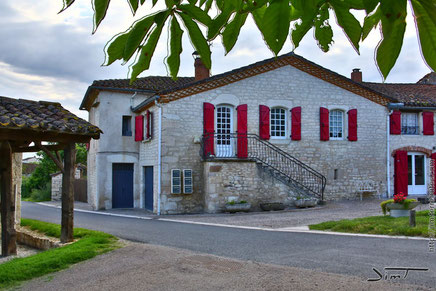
{"x":238,"y":207}
{"x":272,"y":206}
{"x":303,"y":203}
{"x":398,"y":209}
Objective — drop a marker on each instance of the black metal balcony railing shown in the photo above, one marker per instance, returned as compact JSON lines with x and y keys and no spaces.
{"x":249,"y":146}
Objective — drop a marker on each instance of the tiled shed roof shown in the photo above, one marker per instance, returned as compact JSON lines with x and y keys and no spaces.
{"x":153,"y":83}
{"x":43,"y":117}
{"x":410,"y":94}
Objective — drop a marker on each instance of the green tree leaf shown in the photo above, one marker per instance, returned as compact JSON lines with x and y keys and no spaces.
{"x":371,"y":21}
{"x":196,"y":13}
{"x":323,"y":31}
{"x":425,"y":17}
{"x":67,"y":3}
{"x":137,"y":33}
{"x":275,"y":26}
{"x":100,"y":8}
{"x":173,"y":59}
{"x":393,"y":21}
{"x":221,"y":20}
{"x":115,"y":48}
{"x":133,"y":5}
{"x":198,"y":41}
{"x":347,"y":22}
{"x":370,"y":5}
{"x":232,"y":30}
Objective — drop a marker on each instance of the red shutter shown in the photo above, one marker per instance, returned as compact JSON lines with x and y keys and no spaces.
{"x":324,"y":123}
{"x":296,"y":123}
{"x":264,"y":122}
{"x":395,"y":122}
{"x":433,"y":156}
{"x":401,"y":173}
{"x":242,"y":131}
{"x":149,"y":129}
{"x":352,"y":125}
{"x":139,"y":127}
{"x":428,"y":123}
{"x":208,"y":128}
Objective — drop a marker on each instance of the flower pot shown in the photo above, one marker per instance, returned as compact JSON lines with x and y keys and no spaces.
{"x":400,"y":209}
{"x":272,"y":206}
{"x":238,"y":207}
{"x":303,"y":203}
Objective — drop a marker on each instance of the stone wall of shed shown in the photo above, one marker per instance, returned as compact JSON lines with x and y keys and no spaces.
{"x":16,"y":183}
{"x":286,"y":87}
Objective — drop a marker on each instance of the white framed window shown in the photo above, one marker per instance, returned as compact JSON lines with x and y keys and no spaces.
{"x":176,"y":181}
{"x":187,"y":181}
{"x":409,"y":123}
{"x":336,"y":124}
{"x":278,"y":122}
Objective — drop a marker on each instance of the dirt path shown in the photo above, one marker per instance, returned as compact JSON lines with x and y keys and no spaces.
{"x":147,"y":267}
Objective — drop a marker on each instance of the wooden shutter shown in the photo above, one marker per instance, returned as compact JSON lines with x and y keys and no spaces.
{"x":296,"y":123}
{"x":428,"y":123}
{"x":395,"y":122}
{"x":139,"y":127}
{"x":433,"y":156}
{"x":208,"y":128}
{"x":242,"y":146}
{"x":264,"y":122}
{"x":149,"y":128}
{"x":324,"y":123}
{"x":401,"y":173}
{"x":352,"y":125}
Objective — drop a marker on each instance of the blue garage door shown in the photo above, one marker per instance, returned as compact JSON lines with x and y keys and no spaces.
{"x":148,"y":186}
{"x":122,"y":185}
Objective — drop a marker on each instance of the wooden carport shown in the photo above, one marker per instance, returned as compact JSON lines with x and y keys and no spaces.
{"x":27,"y":126}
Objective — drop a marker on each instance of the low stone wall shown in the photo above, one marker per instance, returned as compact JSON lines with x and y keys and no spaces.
{"x":241,"y":180}
{"x":35,"y":240}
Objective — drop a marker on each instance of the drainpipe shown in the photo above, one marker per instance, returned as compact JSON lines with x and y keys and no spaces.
{"x":132,"y":98}
{"x":159,"y":156}
{"x":388,"y":172}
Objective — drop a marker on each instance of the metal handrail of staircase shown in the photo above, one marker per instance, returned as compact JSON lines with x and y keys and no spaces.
{"x":252,"y":147}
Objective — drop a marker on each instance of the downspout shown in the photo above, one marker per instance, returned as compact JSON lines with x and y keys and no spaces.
{"x":159,"y":157}
{"x":132,"y":98}
{"x":388,"y":172}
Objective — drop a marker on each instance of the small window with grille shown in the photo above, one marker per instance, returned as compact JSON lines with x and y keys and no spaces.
{"x":187,"y":181}
{"x":336,"y":124}
{"x":409,"y":123}
{"x":176,"y":181}
{"x":278,"y":123}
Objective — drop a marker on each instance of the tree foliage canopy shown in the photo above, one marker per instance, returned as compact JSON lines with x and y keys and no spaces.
{"x":276,"y":20}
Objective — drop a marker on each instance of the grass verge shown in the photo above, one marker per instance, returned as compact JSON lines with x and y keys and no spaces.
{"x":379,"y":225}
{"x":90,"y":244}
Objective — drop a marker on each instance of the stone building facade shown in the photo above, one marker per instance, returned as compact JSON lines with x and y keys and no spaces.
{"x":174,"y":150}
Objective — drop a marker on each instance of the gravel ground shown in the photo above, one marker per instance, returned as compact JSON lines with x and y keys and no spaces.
{"x":146,"y":267}
{"x":22,"y":251}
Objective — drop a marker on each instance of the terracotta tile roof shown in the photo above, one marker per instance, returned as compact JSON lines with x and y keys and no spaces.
{"x":41,"y":116}
{"x":152,"y":83}
{"x":409,"y":94}
{"x":430,"y":78}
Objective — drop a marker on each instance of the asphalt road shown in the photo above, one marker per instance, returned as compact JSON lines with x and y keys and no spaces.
{"x":346,"y":255}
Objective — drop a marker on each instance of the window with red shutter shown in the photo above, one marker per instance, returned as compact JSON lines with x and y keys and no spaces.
{"x":352,"y":125}
{"x":324,"y":123}
{"x":395,"y":122}
{"x":242,"y":145}
{"x":296,"y":123}
{"x":401,"y":180}
{"x":139,"y":127}
{"x":208,"y":128}
{"x":428,"y":123}
{"x":264,"y":122}
{"x":149,"y":125}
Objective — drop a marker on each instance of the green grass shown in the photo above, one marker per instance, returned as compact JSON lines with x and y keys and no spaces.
{"x":379,"y":225}
{"x":90,"y":244}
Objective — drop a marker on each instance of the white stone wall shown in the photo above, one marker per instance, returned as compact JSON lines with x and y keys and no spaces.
{"x":16,"y":184}
{"x":56,"y":187}
{"x":287,"y":87}
{"x":400,"y":141}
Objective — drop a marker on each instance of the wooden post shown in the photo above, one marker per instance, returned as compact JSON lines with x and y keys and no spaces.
{"x":9,"y":234}
{"x":412,"y":218}
{"x":67,"y":222}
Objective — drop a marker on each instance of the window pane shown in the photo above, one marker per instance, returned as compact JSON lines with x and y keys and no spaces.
{"x":278,"y":122}
{"x":409,"y":123}
{"x":336,"y":118}
{"x":419,"y":170}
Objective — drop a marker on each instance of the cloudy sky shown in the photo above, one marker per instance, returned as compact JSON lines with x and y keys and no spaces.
{"x":49,"y":56}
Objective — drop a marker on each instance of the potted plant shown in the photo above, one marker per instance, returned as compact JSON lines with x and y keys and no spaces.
{"x":237,"y":206}
{"x":305,"y":201}
{"x":399,"y":205}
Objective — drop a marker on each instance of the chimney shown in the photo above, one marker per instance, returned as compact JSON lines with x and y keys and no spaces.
{"x":356,"y":75}
{"x":201,"y":72}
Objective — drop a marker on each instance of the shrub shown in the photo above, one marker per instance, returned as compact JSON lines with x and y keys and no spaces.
{"x":43,"y":194}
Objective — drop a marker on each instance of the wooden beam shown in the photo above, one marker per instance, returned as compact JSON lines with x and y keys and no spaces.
{"x":55,"y":159}
{"x":67,"y":221}
{"x":9,"y":234}
{"x":50,"y":147}
{"x":38,"y":135}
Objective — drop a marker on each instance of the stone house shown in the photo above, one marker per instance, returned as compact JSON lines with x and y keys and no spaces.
{"x":56,"y":181}
{"x":266,"y":132}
